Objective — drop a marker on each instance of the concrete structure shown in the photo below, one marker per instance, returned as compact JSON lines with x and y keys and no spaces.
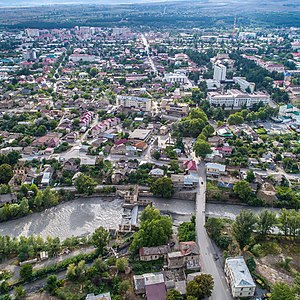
{"x":244,"y":84}
{"x":247,"y":35}
{"x":143,"y":104}
{"x":235,"y":99}
{"x":178,"y":76}
{"x":82,"y":57}
{"x":219,"y":72}
{"x":140,"y":134}
{"x":170,"y":107}
{"x":239,"y":278}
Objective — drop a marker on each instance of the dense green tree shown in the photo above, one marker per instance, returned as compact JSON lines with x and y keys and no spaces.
{"x":100,"y":239}
{"x":187,"y":231}
{"x":174,"y":295}
{"x":289,"y":222}
{"x":20,"y":293}
{"x":208,"y":130}
{"x":243,"y":190}
{"x":201,"y":286}
{"x":6,"y":173}
{"x":243,"y":227}
{"x":202,"y":148}
{"x":154,"y":230}
{"x":122,"y":264}
{"x":214,"y":227}
{"x":282,"y":291}
{"x":235,"y":119}
{"x":53,"y":283}
{"x":265,"y":222}
{"x":250,"y":176}
{"x":93,"y":72}
{"x":26,"y":272}
{"x":163,"y":187}
{"x":85,"y":184}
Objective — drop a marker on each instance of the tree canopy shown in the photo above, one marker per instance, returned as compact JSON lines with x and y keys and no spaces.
{"x":201,"y":287}
{"x":154,"y":230}
{"x":163,"y":187}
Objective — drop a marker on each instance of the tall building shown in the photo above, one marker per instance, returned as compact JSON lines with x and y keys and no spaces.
{"x":219,"y":72}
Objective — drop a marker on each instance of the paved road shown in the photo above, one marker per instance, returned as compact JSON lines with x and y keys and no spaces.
{"x":209,"y":265}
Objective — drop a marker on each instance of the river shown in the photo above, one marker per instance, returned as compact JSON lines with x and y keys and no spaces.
{"x":83,"y":215}
{"x":78,"y":217}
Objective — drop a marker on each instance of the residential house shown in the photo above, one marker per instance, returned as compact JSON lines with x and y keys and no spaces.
{"x":227,"y":182}
{"x":71,"y":137}
{"x":156,"y":172}
{"x":118,"y":176}
{"x":216,"y":141}
{"x":239,"y":278}
{"x":187,"y":257}
{"x":190,"y":166}
{"x":151,"y":284}
{"x":226,"y":151}
{"x":47,"y":176}
{"x":72,"y":164}
{"x":182,"y":181}
{"x":153,"y":253}
{"x":215,"y":170}
{"x":50,"y":140}
{"x":224,"y":132}
{"x":141,"y":146}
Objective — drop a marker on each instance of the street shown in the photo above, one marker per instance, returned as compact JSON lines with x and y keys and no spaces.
{"x":209,"y":265}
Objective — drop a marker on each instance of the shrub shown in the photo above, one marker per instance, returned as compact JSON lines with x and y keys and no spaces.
{"x":257,"y":250}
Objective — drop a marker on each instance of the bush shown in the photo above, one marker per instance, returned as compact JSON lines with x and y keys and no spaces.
{"x":257,"y":250}
{"x":223,"y":241}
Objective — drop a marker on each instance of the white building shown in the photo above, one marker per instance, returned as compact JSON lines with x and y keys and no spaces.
{"x":77,"y":57}
{"x":239,"y":278}
{"x":144,"y":104}
{"x":235,"y":99}
{"x":244,"y":84}
{"x":32,"y":32}
{"x":247,"y":35}
{"x":214,"y":169}
{"x":219,"y":72}
{"x":176,"y":77}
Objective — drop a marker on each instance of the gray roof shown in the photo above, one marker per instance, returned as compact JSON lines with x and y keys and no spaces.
{"x":240,"y":272}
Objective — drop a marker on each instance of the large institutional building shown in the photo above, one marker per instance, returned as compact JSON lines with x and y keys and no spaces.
{"x":235,"y":99}
{"x":143,"y":104}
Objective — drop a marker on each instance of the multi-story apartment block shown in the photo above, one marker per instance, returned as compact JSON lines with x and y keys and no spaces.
{"x":144,"y":104}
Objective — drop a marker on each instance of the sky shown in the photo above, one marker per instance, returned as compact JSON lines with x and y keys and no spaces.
{"x":49,"y":2}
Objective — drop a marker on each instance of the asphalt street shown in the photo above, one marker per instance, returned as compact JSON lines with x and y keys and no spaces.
{"x":207,"y":251}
